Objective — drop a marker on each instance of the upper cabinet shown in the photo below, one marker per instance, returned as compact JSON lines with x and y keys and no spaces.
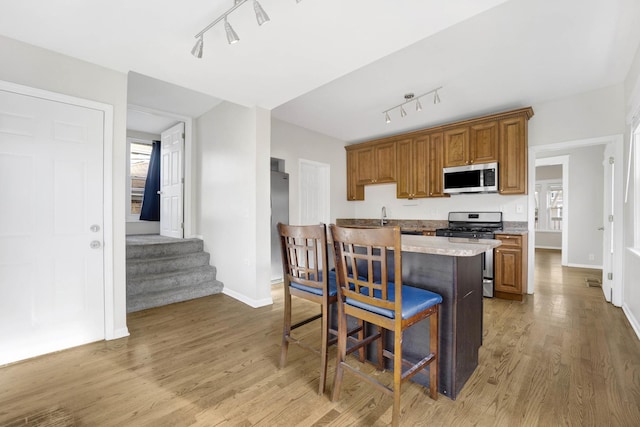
{"x":419,"y":167}
{"x":483,"y":142}
{"x":375,"y":164}
{"x":415,"y":160}
{"x":456,"y":147}
{"x":513,"y":156}
{"x":354,"y":191}
{"x":466,"y":145}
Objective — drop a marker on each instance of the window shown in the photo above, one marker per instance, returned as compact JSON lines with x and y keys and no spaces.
{"x":139,"y":155}
{"x":549,"y":206}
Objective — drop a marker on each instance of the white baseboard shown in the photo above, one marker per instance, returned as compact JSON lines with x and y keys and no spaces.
{"x":592,"y":267}
{"x":634,"y":322}
{"x":549,"y":247}
{"x":249,"y":301}
{"x":118,"y":333}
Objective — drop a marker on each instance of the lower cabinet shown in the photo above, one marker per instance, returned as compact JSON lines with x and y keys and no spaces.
{"x":510,"y":263}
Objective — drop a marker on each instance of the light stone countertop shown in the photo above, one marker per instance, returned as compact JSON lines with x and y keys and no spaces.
{"x":449,"y":246}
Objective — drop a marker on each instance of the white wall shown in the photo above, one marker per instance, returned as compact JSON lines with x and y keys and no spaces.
{"x":631,"y":288}
{"x":292,"y":143}
{"x":32,"y":66}
{"x":232,"y":212}
{"x":583,"y":116}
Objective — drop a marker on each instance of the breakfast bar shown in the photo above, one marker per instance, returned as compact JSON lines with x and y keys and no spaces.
{"x":452,"y":267}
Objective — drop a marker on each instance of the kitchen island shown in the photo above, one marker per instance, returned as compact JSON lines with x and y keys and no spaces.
{"x":452,"y":267}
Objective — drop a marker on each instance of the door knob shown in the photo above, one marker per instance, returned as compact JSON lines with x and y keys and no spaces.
{"x":95,"y":244}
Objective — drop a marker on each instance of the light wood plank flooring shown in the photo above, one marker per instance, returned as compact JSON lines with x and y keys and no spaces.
{"x":562,"y":357}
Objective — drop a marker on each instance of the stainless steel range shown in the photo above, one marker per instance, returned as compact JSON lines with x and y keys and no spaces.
{"x":476,"y":225}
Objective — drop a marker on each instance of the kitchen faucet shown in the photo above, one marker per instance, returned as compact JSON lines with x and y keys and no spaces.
{"x":383,"y":217}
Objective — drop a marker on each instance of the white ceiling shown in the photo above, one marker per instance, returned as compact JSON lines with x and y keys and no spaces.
{"x":333,"y":66}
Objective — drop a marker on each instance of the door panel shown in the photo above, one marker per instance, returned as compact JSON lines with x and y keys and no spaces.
{"x":51,"y":176}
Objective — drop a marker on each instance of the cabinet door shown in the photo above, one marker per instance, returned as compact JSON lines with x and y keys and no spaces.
{"x":420,"y":163}
{"x":404,"y":181}
{"x":385,"y":162}
{"x":365,"y":167}
{"x":508,"y":270}
{"x":354,"y":191}
{"x":435,"y":159}
{"x":483,"y":142}
{"x":456,"y":147}
{"x":513,"y":156}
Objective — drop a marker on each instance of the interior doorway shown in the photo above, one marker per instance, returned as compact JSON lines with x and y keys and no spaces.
{"x":612,"y":179}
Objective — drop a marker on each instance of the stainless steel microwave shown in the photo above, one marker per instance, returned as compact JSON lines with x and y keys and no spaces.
{"x":476,"y":178}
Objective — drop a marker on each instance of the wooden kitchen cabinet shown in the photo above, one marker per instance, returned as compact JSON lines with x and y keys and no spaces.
{"x":376,"y":164}
{"x":513,"y":155}
{"x":354,"y":191}
{"x":456,"y":147}
{"x":477,"y":143}
{"x":435,"y":160}
{"x":419,"y":167}
{"x":415,"y":160}
{"x":510,"y":266}
{"x":483,"y":142}
{"x":411,"y":168}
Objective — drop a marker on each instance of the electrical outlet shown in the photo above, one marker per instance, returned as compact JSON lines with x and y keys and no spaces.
{"x":519,"y":208}
{"x":592,"y":257}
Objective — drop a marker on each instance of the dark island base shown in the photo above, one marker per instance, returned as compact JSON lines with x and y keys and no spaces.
{"x":459,"y":281}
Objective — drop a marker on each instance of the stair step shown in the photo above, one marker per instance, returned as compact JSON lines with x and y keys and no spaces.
{"x":174,"y":279}
{"x":145,"y":266}
{"x":170,"y":296}
{"x":158,"y":246}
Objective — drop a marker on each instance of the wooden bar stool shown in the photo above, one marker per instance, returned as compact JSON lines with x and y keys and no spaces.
{"x":305,"y":270}
{"x":363,"y":266}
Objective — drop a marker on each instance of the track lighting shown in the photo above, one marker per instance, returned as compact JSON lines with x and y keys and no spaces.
{"x":232,"y":36}
{"x":197,"y":49}
{"x":410,"y":97}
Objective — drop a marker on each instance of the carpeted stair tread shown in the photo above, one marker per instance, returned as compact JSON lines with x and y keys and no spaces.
{"x":172,"y":279}
{"x":170,"y":296}
{"x":156,"y":265}
{"x":145,"y":248}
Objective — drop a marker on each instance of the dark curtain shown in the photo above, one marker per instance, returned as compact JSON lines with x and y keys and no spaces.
{"x":151,"y":199}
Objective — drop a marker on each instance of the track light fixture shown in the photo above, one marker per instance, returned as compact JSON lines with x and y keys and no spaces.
{"x":232,"y":36}
{"x":410,"y":97}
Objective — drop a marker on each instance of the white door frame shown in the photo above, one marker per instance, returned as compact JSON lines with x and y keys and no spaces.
{"x":614,"y":294}
{"x":188,"y":171}
{"x":107,"y":155}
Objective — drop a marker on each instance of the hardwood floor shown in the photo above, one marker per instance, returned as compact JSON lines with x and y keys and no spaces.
{"x":561,"y":357}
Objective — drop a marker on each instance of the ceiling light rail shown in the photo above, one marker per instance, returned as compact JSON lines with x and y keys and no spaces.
{"x":232,"y":36}
{"x":410,"y":97}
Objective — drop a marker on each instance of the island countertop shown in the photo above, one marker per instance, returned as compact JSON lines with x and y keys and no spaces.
{"x":448,"y":246}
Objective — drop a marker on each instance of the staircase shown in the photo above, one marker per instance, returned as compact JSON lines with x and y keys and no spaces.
{"x":162,"y":270}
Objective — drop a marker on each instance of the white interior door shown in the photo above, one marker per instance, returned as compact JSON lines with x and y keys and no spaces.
{"x":51,"y":226}
{"x":313,"y":193}
{"x":172,"y":182}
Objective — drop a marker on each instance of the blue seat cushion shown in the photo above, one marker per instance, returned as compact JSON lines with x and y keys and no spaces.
{"x":333,"y":287}
{"x":414,"y":300}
